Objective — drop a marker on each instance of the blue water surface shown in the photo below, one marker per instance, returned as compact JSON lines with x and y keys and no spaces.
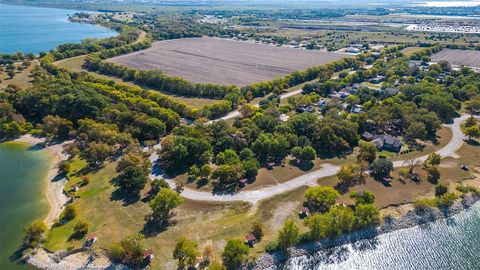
{"x":33,"y":29}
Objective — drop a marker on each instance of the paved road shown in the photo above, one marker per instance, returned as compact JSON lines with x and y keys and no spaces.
{"x":311,"y":178}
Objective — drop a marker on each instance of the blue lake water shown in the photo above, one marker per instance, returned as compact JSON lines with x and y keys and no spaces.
{"x":22,"y":200}
{"x":452,"y":243}
{"x":32,"y":29}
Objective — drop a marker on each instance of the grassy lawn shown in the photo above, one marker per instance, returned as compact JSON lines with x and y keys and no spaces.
{"x":75,"y":64}
{"x":21,"y":79}
{"x":112,"y":219}
{"x":444,"y":135}
{"x":411,"y":50}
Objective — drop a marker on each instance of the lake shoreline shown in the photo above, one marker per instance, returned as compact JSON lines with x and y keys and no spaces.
{"x":408,"y":219}
{"x":54,"y":188}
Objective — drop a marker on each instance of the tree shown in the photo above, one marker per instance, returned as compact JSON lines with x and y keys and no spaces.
{"x":55,"y":127}
{"x":11,"y":73}
{"x":316,"y":226}
{"x":473,"y":105}
{"x":433,"y":159}
{"x":165,"y":200}
{"x":132,"y":180}
{"x":234,"y":254}
{"x":136,"y":159}
{"x":440,"y":190}
{"x":288,"y":235}
{"x":226,"y":175}
{"x":34,"y":234}
{"x":205,"y":171}
{"x":185,"y":252}
{"x":157,"y":184}
{"x":96,"y":153}
{"x":364,"y":197}
{"x":416,"y":130}
{"x":133,"y":249}
{"x":63,"y":167}
{"x":367,"y":152}
{"x":367,"y":215}
{"x":250,"y":168}
{"x":308,"y":154}
{"x":69,"y":213}
{"x":228,"y":157}
{"x":349,"y":174}
{"x":381,"y":167}
{"x":339,"y":220}
{"x":472,"y":132}
{"x":320,"y":199}
{"x":81,"y":228}
{"x":257,"y":229}
{"x":430,"y":166}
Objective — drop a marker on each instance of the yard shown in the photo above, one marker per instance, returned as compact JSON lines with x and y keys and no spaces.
{"x":223,"y":61}
{"x":112,"y":219}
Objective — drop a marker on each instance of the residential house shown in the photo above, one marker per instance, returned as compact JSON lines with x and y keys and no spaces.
{"x":377,"y":79}
{"x":356,"y":109}
{"x":387,"y":142}
{"x":304,"y":108}
{"x":321,"y":103}
{"x":391,"y":91}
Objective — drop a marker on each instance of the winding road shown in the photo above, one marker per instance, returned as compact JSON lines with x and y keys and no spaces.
{"x":310,"y":179}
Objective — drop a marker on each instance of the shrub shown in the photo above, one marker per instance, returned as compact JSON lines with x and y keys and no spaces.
{"x":271,"y":246}
{"x":440,"y":190}
{"x":424,"y":203}
{"x":116,"y":253}
{"x":446,"y":200}
{"x":69,"y":213}
{"x":81,"y":228}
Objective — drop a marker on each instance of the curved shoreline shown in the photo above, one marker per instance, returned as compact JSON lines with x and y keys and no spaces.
{"x":54,"y":188}
{"x":409,"y":218}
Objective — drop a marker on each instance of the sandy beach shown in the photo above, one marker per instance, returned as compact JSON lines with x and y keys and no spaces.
{"x":54,"y":189}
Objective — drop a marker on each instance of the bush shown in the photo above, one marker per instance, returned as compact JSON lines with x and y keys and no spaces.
{"x":81,"y":228}
{"x":424,"y":203}
{"x":446,"y":200}
{"x":116,"y":253}
{"x":440,"y":190}
{"x":69,"y":213}
{"x":271,"y":247}
{"x":467,"y":189}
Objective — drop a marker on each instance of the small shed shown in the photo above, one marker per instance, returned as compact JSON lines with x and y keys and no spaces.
{"x":304,"y":212}
{"x":270,"y":165}
{"x":74,"y":188}
{"x":250,"y":240}
{"x":148,"y":254}
{"x":91,"y":238}
{"x":243,"y":181}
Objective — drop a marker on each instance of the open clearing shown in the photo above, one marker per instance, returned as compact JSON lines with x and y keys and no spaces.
{"x":223,"y":61}
{"x":467,"y":58}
